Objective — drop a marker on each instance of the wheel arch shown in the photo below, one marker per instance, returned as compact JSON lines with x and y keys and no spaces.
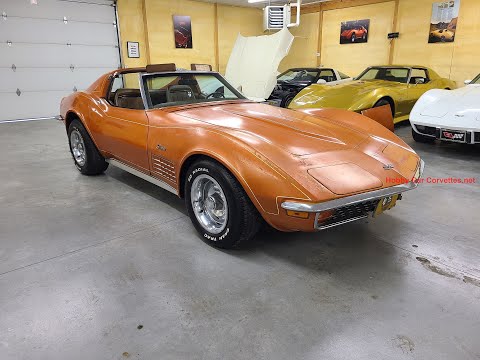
{"x":390,"y":101}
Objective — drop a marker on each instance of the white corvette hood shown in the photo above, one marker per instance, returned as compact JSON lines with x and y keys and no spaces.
{"x":464,"y":102}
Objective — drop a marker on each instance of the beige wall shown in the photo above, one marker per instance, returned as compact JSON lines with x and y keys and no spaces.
{"x":458,"y":60}
{"x":305,"y":45}
{"x":352,"y":59}
{"x":234,"y":20}
{"x":156,"y":29}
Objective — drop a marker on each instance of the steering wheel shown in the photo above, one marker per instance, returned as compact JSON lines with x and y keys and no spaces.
{"x":216,"y":95}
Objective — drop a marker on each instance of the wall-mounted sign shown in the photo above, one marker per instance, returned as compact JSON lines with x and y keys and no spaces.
{"x":182,"y":28}
{"x":133,"y":49}
{"x":444,"y":21}
{"x":352,"y":32}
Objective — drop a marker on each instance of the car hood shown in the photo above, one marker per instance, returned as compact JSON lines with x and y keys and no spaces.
{"x":341,"y":95}
{"x":289,"y":131}
{"x":459,"y":102}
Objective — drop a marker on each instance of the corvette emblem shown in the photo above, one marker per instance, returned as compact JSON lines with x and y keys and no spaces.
{"x":388,"y":166}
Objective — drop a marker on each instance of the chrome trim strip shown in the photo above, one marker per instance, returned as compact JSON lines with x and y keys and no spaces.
{"x":142,"y":175}
{"x":337,"y":223}
{"x":31,"y":119}
{"x":349,"y":200}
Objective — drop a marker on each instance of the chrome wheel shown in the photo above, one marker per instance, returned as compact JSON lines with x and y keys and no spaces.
{"x":78,"y":147}
{"x":209,"y":204}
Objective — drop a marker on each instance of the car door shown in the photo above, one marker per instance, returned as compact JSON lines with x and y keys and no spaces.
{"x":419,"y":83}
{"x":122,"y":123}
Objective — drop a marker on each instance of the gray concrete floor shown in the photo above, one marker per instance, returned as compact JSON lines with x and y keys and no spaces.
{"x":85,"y":261}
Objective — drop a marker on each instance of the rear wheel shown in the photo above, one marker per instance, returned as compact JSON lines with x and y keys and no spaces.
{"x":85,"y":155}
{"x":353,"y":38}
{"x":422,"y":138}
{"x":218,"y":206}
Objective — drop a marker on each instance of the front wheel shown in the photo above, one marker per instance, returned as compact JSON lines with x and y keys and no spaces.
{"x":85,"y":155}
{"x":383,"y":102}
{"x":218,"y":206}
{"x":353,"y":38}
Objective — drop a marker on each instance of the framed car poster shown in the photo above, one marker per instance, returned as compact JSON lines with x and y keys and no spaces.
{"x":354,"y":32}
{"x":443,"y":24}
{"x":182,"y":28}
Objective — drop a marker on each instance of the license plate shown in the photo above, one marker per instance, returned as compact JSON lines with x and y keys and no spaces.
{"x":453,"y":135}
{"x":385,"y":204}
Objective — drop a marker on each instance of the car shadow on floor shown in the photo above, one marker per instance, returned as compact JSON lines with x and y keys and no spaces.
{"x":147,"y":188}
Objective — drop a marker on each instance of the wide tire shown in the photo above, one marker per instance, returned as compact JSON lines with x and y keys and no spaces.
{"x":354,"y":37}
{"x":86,"y":157}
{"x":383,"y":102}
{"x":422,"y":138}
{"x":287,"y":100}
{"x":223,"y":196}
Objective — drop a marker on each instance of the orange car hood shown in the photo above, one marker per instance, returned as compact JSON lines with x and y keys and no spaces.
{"x":292,"y":131}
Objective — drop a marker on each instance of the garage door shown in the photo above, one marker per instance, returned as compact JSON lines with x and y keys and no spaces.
{"x":51,"y":48}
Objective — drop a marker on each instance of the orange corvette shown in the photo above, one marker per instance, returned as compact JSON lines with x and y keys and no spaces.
{"x":234,"y":161}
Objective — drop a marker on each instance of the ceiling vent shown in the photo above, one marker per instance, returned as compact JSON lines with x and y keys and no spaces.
{"x":277,"y":17}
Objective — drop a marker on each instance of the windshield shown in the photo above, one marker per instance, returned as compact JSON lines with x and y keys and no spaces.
{"x":187,"y":88}
{"x":475,"y":81}
{"x":382,"y":73}
{"x":298,"y":75}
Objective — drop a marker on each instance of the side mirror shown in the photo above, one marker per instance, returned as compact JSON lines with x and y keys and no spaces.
{"x":321,"y":81}
{"x":466,"y":82}
{"x":419,"y":81}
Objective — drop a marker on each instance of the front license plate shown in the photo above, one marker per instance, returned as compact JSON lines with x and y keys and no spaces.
{"x":385,"y":204}
{"x":453,"y":135}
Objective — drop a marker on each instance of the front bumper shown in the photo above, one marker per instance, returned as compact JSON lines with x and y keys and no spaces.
{"x":472,"y":136}
{"x":351,"y":208}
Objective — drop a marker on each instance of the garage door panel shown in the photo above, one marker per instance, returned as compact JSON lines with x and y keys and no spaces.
{"x":39,"y":31}
{"x":52,"y":9}
{"x":34,"y":55}
{"x":40,"y":55}
{"x":52,"y":58}
{"x":21,"y":107}
{"x":48,"y":79}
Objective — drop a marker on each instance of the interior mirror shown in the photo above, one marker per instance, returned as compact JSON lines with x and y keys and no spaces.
{"x":321,"y":81}
{"x":467,"y":82}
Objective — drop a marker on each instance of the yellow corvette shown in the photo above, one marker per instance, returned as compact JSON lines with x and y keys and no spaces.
{"x":397,"y":86}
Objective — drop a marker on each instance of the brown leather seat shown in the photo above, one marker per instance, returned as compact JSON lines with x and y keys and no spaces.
{"x":129,"y":99}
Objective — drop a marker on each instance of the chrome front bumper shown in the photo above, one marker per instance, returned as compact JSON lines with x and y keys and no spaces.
{"x":359,"y":205}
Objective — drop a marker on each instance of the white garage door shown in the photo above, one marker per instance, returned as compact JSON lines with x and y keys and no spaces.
{"x":51,"y":48}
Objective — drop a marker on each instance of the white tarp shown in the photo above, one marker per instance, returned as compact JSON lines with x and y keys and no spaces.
{"x":254,"y":62}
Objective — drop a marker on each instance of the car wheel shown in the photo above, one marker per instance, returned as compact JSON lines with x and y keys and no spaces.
{"x":422,"y":138}
{"x":85,"y":155}
{"x":353,"y":38}
{"x":442,"y":38}
{"x":218,"y":206}
{"x":383,"y":102}
{"x":364,"y":37}
{"x":286,"y":101}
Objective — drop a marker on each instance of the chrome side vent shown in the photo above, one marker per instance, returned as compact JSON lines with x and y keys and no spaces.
{"x":163,"y":168}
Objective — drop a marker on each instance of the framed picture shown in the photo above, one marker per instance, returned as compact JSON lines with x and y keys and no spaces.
{"x":354,"y":32}
{"x":182,"y":28}
{"x":443,"y":24}
{"x":133,"y":49}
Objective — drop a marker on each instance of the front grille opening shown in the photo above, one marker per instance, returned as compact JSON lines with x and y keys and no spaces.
{"x":348,"y":212}
{"x":427,"y":130}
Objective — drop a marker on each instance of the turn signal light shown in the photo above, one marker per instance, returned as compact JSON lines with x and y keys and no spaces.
{"x":298,"y":214}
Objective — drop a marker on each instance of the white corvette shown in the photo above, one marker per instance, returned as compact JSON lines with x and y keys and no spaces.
{"x":448,"y":115}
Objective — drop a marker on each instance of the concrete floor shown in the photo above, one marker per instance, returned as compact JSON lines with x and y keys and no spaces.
{"x":87,"y":261}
